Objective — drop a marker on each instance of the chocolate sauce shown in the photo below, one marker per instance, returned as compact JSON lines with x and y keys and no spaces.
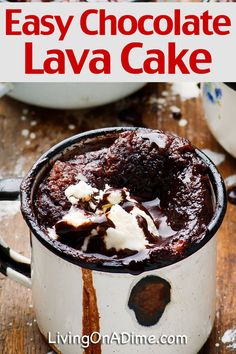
{"x":159,"y":218}
{"x":232,"y":194}
{"x":90,"y":311}
{"x":149,"y":298}
{"x":74,"y":235}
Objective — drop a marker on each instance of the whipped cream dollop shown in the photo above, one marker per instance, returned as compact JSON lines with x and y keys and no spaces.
{"x":111,"y":215}
{"x":127,"y":233}
{"x":80,"y":191}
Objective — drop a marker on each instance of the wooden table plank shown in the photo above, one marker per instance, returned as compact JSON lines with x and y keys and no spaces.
{"x":27,"y":131}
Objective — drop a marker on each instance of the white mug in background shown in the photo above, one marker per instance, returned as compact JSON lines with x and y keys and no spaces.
{"x":72,"y":297}
{"x":219,"y":102}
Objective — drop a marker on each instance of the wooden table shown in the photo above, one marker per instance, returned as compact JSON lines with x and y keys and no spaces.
{"x":27,"y":131}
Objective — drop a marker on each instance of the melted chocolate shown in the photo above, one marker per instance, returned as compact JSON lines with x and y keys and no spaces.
{"x":74,"y":236}
{"x":148,"y":299}
{"x":90,"y":311}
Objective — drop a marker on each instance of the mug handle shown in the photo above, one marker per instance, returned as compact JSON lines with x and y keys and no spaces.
{"x":12,"y":264}
{"x":5,"y":87}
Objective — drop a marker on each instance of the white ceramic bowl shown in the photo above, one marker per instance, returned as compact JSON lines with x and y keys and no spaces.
{"x":219,"y":100}
{"x":69,"y":95}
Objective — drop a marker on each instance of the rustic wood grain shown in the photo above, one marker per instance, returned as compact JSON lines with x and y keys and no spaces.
{"x":18,"y":328}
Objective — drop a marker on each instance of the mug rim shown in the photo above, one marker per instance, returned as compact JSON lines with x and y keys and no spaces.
{"x":231,"y":85}
{"x":31,"y":220}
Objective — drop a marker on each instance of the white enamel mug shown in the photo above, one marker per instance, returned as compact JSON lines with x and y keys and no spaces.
{"x":75,"y":300}
{"x":219,"y":101}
